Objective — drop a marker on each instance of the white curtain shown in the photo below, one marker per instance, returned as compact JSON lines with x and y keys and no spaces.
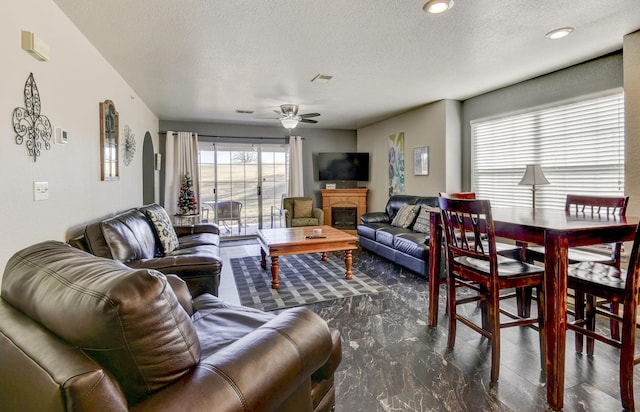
{"x":181,"y":157}
{"x":296,"y":187}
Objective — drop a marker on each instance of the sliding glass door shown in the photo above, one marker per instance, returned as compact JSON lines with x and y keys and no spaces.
{"x":242,"y":185}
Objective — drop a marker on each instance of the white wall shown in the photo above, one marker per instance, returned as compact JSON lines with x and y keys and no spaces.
{"x":632,"y":121}
{"x":71,"y":85}
{"x":435,"y":125}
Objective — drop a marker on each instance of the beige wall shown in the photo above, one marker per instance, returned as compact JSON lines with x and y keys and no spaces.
{"x":632,"y":121}
{"x":71,"y":85}
{"x":435,"y":125}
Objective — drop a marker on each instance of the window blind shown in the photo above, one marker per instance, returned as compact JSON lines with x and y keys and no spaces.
{"x":580,"y":147}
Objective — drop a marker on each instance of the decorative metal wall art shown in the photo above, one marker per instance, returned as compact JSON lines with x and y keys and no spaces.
{"x":29,"y":124}
{"x":129,"y":148}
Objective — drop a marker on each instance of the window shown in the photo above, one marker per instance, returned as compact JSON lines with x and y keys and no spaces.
{"x":580,"y":147}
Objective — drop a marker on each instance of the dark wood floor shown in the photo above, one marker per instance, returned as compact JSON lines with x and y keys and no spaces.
{"x":393,"y":361}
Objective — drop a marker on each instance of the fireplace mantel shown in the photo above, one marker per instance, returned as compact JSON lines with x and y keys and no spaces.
{"x":356,"y":197}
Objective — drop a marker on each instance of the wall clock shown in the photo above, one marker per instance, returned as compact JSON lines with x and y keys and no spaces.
{"x":129,"y":147}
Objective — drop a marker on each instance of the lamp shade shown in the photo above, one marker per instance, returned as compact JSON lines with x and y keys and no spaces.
{"x":533,"y":176}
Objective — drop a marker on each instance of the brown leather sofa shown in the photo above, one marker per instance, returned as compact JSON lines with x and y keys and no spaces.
{"x":130,"y":238}
{"x":83,"y":333}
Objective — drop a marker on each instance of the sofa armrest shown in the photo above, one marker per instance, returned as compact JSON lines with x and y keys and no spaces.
{"x":258,"y":372}
{"x":197,"y":228}
{"x":374,"y":217}
{"x":318,"y":214}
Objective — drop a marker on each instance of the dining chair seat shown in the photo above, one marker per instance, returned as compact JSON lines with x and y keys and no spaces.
{"x":594,"y":280}
{"x":473,"y":262}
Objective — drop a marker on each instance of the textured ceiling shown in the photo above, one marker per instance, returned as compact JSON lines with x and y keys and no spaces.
{"x":201,"y":60}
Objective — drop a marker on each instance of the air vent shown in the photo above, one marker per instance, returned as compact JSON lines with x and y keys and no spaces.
{"x":240,"y":111}
{"x":321,"y":78}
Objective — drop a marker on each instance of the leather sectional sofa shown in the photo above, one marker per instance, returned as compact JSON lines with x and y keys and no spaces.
{"x":404,"y":246}
{"x":84,"y":333}
{"x":131,"y":238}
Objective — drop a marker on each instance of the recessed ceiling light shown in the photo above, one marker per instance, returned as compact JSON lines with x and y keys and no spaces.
{"x":437,"y":6}
{"x":559,"y":33}
{"x":321,"y":78}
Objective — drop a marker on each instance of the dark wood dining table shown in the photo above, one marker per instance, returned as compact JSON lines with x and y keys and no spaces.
{"x":557,"y":231}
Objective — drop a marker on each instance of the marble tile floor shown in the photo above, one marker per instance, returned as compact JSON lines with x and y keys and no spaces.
{"x":393,"y":361}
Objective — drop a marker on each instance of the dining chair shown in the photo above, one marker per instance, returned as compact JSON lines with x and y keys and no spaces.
{"x":581,"y":205}
{"x":473,"y":261}
{"x":523,"y":295}
{"x":598,"y":280}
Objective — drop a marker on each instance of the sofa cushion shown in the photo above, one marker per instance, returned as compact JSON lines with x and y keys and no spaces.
{"x":129,"y":236}
{"x":385,"y":235}
{"x":162,"y":226}
{"x":302,"y":208}
{"x":129,"y":320}
{"x":405,"y":216}
{"x":422,"y":223}
{"x":413,"y":244}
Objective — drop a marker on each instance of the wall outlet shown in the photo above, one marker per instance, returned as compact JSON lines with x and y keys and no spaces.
{"x":40,"y":190}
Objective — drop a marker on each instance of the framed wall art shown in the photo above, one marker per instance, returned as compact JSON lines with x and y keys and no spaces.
{"x":109,"y":141}
{"x":421,"y":161}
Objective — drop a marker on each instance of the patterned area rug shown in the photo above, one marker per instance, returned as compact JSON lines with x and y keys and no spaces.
{"x":304,"y":279}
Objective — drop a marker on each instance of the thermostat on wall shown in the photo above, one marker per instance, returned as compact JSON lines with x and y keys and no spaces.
{"x":61,"y":136}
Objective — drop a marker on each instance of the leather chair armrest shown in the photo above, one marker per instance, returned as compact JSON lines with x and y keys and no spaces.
{"x":318,"y":214}
{"x":197,"y":228}
{"x":374,"y":217}
{"x":292,"y":346}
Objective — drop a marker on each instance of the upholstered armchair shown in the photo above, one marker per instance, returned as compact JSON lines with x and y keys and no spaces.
{"x":299,"y":211}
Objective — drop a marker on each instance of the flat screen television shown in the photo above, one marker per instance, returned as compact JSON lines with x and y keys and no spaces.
{"x":343,"y":166}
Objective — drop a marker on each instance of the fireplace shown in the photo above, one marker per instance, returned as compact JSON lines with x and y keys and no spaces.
{"x":344,"y":201}
{"x":344,"y":218}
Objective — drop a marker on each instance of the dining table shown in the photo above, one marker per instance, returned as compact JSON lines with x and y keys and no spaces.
{"x":558,"y":231}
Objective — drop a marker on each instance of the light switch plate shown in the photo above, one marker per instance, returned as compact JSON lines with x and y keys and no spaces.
{"x":40,"y":190}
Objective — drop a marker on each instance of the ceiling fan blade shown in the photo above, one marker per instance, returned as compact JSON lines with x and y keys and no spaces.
{"x":278,"y":112}
{"x":307,"y":115}
{"x":308,"y":121}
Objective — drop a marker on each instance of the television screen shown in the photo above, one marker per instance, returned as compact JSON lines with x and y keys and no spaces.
{"x":343,"y":166}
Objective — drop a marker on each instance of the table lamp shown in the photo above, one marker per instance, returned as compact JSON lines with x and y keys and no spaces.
{"x":533,"y":176}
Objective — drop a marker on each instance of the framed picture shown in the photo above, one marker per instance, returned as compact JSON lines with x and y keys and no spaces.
{"x":109,"y":141}
{"x":421,"y":161}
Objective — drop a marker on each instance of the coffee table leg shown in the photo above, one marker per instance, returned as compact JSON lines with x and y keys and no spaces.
{"x":324,"y":256}
{"x":275,"y":284}
{"x":348,"y":260}
{"x":263,"y":261}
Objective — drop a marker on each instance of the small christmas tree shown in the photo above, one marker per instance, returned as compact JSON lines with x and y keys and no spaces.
{"x":187,"y":200}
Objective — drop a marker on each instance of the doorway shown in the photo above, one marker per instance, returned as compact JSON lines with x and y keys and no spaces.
{"x":242,"y":186}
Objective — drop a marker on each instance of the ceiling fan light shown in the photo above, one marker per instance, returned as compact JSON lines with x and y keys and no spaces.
{"x":437,"y":6}
{"x":289,"y":123}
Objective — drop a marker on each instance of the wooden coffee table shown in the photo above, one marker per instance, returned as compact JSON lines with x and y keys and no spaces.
{"x":295,"y":241}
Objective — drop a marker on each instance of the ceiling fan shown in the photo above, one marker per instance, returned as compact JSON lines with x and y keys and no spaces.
{"x":289,"y":116}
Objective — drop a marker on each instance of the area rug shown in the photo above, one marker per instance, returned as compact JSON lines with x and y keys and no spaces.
{"x":304,"y":279}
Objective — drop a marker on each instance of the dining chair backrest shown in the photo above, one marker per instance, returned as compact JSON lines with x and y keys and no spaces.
{"x":596,"y":205}
{"x":469,"y":229}
{"x":459,"y":195}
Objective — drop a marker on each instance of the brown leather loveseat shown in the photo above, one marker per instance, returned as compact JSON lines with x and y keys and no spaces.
{"x":83,"y":333}
{"x":133,"y":238}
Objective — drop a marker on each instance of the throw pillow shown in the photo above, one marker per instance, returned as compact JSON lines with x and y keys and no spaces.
{"x":405,"y":216}
{"x":302,"y":208}
{"x":163,"y":227}
{"x":422,"y":224}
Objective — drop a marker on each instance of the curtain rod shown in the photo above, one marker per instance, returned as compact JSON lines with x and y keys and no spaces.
{"x":234,"y":137}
